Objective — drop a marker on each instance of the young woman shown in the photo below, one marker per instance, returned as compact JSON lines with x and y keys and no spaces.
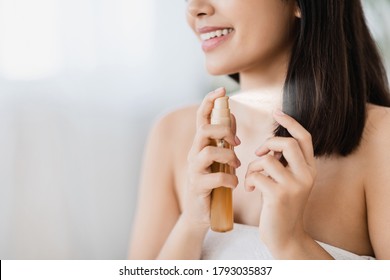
{"x":324,"y":102}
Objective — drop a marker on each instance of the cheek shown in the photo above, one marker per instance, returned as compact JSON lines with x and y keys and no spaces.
{"x":271,"y":31}
{"x":268,"y":40}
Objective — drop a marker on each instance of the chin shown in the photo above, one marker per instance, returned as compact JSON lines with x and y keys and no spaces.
{"x":219,"y":70}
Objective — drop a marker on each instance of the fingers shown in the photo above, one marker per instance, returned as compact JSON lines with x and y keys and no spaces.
{"x":204,"y":111}
{"x":261,"y":181}
{"x":205,"y":158}
{"x":206,"y":133}
{"x":210,"y":181}
{"x":296,"y":150}
{"x":298,"y":132}
{"x":290,"y":149}
{"x":269,"y":166}
{"x":211,"y":154}
{"x":203,"y":154}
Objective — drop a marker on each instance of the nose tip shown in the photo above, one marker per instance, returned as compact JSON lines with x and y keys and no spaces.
{"x":196,"y":13}
{"x":197,"y":8}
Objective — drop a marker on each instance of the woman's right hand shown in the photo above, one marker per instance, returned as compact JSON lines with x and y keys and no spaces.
{"x":201,"y":181}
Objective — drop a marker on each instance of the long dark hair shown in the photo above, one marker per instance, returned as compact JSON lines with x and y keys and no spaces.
{"x":334,"y":71}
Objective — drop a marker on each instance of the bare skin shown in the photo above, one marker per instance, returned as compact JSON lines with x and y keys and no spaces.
{"x":345,"y":190}
{"x":341,"y":201}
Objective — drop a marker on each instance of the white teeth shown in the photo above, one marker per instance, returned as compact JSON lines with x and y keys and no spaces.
{"x":217,"y":33}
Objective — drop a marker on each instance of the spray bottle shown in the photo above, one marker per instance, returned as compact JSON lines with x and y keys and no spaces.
{"x":221,"y":207}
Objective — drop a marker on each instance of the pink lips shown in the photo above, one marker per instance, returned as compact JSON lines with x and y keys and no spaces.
{"x":213,"y":43}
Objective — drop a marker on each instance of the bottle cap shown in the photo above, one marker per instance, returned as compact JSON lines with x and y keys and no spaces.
{"x":221,"y":103}
{"x":221,"y":112}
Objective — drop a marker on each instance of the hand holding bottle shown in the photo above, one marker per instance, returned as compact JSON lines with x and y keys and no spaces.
{"x":202,"y":155}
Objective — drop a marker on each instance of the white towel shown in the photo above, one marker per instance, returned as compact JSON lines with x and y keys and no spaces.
{"x":243,"y":243}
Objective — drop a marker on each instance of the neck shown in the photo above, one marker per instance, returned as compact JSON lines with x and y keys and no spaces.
{"x":259,"y":83}
{"x":271,"y":75}
{"x":261,"y":90}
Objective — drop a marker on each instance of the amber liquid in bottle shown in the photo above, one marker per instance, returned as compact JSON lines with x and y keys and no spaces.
{"x":221,"y":205}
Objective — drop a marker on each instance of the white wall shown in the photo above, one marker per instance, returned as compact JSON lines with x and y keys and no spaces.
{"x":81,"y":81}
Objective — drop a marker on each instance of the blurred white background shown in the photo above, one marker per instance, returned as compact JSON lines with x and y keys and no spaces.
{"x":81,"y":82}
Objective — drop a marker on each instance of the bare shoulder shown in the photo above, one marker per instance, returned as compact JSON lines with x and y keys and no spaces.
{"x":157,"y":203}
{"x":378,"y":123}
{"x":177,"y":123}
{"x":376,"y":138}
{"x":377,"y":178}
{"x":169,"y":136}
{"x":175,"y":130}
{"x":181,"y":116}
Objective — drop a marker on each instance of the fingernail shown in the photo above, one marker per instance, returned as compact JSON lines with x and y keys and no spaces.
{"x":237,"y":140}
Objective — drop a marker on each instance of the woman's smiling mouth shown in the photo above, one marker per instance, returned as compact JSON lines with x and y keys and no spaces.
{"x":213,"y":36}
{"x":217,"y":33}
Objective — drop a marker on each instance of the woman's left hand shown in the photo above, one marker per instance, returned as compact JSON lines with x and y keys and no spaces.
{"x":285,"y":189}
